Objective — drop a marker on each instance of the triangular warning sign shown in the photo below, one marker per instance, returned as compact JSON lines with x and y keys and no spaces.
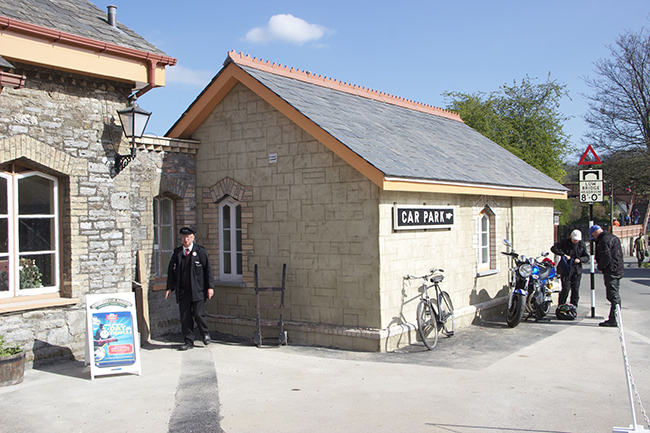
{"x":589,"y":157}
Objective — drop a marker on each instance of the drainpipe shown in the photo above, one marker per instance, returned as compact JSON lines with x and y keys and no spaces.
{"x":151,"y":75}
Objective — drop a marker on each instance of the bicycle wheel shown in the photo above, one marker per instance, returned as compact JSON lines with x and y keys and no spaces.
{"x":427,"y":324}
{"x":447,"y":322}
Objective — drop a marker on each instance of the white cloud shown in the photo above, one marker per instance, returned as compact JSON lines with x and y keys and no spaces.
{"x":286,"y":27}
{"x":181,"y":75}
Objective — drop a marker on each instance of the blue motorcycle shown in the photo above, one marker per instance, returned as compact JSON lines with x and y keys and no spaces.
{"x":531,"y":287}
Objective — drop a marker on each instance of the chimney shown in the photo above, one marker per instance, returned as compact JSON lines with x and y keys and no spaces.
{"x":112,"y":15}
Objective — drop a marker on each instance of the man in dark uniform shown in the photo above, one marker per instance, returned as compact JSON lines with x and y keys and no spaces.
{"x":574,"y":252}
{"x":190,"y":276}
{"x":609,"y":256}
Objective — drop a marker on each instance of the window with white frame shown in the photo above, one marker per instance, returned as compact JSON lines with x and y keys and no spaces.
{"x":29,"y":234}
{"x":484,"y":224}
{"x":163,"y":234}
{"x":230,"y":241}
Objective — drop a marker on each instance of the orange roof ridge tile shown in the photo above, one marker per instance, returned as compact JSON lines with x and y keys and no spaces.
{"x":331,"y":83}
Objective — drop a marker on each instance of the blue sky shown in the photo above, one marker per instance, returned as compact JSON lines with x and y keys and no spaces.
{"x":412,"y":49}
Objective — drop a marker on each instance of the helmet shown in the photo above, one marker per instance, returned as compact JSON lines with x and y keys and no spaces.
{"x":566,"y":312}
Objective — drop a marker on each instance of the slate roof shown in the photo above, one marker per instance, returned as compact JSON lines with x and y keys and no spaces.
{"x":406,"y":143}
{"x":5,"y":64}
{"x":78,"y":17}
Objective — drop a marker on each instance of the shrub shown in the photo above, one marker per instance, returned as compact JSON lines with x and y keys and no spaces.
{"x":6,"y":349}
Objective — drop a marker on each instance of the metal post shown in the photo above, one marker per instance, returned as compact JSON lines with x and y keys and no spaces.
{"x":592,"y":276}
{"x":634,"y":427}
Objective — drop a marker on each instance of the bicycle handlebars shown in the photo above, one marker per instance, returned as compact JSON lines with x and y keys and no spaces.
{"x":431,"y":272}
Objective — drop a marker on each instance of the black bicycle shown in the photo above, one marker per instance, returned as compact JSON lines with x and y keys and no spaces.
{"x":434,"y":314}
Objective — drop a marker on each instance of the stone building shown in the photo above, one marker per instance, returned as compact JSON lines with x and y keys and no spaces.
{"x":330,"y":179}
{"x":71,"y":225}
{"x":351,"y":188}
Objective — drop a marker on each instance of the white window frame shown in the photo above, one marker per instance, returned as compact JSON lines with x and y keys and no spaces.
{"x":160,"y":269}
{"x":13,"y":253}
{"x":484,"y":248}
{"x":231,"y":273}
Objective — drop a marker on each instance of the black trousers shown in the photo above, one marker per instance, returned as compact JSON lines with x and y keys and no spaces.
{"x":191,"y":312}
{"x":612,"y":285}
{"x":570,"y":283}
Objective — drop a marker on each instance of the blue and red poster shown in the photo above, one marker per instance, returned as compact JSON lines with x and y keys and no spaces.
{"x":113,"y":342}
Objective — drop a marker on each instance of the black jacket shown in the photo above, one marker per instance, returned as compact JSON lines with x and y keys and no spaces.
{"x":201,"y":273}
{"x":575,"y":251}
{"x":609,"y":255}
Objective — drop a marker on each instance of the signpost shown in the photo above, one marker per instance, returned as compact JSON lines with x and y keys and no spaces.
{"x":591,"y":191}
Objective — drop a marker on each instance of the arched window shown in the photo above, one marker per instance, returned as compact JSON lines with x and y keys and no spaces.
{"x":486,"y":232}
{"x":484,"y":241}
{"x":163,"y":234}
{"x":29,"y":234}
{"x":230,"y":241}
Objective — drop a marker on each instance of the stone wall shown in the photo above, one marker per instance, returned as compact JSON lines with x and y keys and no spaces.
{"x":63,"y":124}
{"x":473,"y":292}
{"x":155,"y":173}
{"x":310,"y":210}
{"x":66,"y":125}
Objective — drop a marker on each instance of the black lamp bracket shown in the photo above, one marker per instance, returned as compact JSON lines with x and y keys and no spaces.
{"x":121,"y":161}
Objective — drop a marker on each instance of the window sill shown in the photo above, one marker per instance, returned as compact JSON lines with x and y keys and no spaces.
{"x":487,"y":272}
{"x":28,"y":303}
{"x":237,"y":284}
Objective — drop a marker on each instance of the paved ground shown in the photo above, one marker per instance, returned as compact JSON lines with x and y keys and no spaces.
{"x":554,"y":377}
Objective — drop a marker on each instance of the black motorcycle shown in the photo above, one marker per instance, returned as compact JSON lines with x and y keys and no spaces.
{"x":530,"y":288}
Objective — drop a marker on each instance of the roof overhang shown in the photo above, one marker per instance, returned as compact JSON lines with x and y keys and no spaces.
{"x":423,"y":185}
{"x":34,"y":44}
{"x":232,"y":74}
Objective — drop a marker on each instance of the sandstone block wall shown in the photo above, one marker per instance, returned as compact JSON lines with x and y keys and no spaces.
{"x":473,"y":293}
{"x":309,"y":210}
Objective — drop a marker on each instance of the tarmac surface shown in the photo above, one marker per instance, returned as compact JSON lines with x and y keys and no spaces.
{"x":548,"y":377}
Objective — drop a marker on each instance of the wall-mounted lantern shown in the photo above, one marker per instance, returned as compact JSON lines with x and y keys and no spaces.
{"x":134,"y":121}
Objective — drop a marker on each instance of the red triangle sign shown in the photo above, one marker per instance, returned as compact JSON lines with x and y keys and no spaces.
{"x":589,"y":157}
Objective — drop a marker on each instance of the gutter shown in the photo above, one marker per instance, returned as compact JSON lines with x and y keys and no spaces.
{"x":11,"y":80}
{"x":57,"y":36}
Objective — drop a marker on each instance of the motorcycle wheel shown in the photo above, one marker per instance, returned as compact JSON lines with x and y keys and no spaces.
{"x":515,"y":311}
{"x":427,"y":324}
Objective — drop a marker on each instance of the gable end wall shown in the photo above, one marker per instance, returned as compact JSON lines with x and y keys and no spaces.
{"x":310,"y":210}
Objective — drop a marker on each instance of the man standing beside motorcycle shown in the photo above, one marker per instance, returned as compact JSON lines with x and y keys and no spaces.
{"x":574,"y":253}
{"x":609,"y":256}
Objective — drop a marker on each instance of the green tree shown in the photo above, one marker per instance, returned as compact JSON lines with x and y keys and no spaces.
{"x":523,"y":118}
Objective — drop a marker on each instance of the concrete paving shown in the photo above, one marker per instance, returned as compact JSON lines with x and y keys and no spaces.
{"x":555,"y":377}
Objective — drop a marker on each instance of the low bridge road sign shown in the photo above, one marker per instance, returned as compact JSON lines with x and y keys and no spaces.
{"x":591,"y":191}
{"x":591,"y":186}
